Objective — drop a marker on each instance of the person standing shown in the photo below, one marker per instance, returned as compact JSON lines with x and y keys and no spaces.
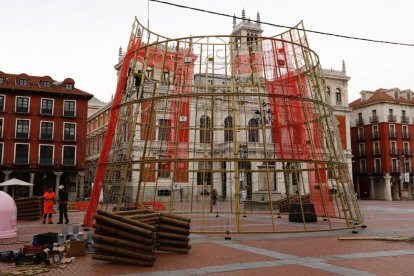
{"x":49,"y":198}
{"x":215,"y":196}
{"x":63,"y":204}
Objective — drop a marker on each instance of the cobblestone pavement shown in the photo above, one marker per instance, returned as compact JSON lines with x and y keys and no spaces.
{"x":314,"y":253}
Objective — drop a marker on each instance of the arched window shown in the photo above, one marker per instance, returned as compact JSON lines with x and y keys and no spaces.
{"x":253,"y":131}
{"x":205,"y":126}
{"x":228,"y":129}
{"x":338,"y":96}
{"x":328,"y":94}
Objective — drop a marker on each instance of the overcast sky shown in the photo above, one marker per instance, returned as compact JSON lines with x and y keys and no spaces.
{"x":80,"y":38}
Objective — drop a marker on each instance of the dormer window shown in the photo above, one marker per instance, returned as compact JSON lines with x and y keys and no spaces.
{"x":23,"y":82}
{"x":46,"y":84}
{"x":68,"y":86}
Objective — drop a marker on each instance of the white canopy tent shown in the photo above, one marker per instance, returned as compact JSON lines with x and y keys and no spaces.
{"x":15,"y":182}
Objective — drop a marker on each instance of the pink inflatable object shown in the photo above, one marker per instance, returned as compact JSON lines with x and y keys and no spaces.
{"x":8,"y":216}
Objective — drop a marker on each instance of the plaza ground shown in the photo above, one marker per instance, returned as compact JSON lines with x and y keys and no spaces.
{"x":313,"y":253}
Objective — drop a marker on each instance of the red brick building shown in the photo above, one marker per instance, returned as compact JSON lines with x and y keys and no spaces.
{"x":43,"y":132}
{"x":381,"y":131}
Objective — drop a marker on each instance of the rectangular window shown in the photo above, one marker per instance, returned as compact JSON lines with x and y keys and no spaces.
{"x":407,"y":166}
{"x":393,"y":148}
{"x":47,"y":107}
{"x":377,"y":165}
{"x":392,"y":131}
{"x":1,"y":127}
{"x":361,"y":149}
{"x":69,"y":132}
{"x":405,"y":132}
{"x":69,"y":155}
{"x":46,"y":155}
{"x":164,"y":129}
{"x":375,"y":133}
{"x":406,"y":149}
{"x":362,"y":166}
{"x":22,"y":104}
{"x":164,"y":170}
{"x":1,"y":153}
{"x":376,"y":148}
{"x":69,"y":108}
{"x":22,"y":129}
{"x":360,"y":133}
{"x":21,"y":154}
{"x":2,"y":102}
{"x":46,"y":131}
{"x":394,"y":165}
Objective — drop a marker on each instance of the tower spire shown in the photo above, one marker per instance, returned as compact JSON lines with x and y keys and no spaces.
{"x":234,"y":21}
{"x":120,"y":53}
{"x":343,"y":66}
{"x":243,"y":15}
{"x":258,"y":18}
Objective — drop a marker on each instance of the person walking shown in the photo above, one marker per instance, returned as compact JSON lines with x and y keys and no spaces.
{"x":63,"y":204}
{"x":49,"y":198}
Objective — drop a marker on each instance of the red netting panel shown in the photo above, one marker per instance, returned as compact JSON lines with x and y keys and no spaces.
{"x":296,"y":126}
{"x":106,"y":148}
{"x":177,"y":147}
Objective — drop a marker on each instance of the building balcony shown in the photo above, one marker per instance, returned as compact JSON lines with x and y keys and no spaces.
{"x":393,"y":135}
{"x":405,"y":119}
{"x":373,"y":119}
{"x":377,"y":171}
{"x":407,"y":153}
{"x":376,"y":153}
{"x":363,"y":171}
{"x":375,"y":135}
{"x":359,"y":121}
{"x":361,"y":138}
{"x":392,"y":118}
{"x":406,"y":136}
{"x":394,"y":152}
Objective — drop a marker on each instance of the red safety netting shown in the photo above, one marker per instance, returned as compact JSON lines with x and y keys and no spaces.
{"x":295,"y":124}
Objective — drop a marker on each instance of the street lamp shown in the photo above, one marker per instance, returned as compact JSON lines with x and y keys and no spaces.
{"x":263,"y":116}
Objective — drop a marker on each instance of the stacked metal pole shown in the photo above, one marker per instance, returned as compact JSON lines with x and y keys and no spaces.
{"x":172,"y":231}
{"x":123,"y":240}
{"x":133,"y":236}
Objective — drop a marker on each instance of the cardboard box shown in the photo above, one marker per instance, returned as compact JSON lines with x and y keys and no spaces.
{"x":75,"y":249}
{"x":57,"y":250}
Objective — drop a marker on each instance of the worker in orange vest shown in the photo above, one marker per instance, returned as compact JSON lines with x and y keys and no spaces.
{"x":49,"y":200}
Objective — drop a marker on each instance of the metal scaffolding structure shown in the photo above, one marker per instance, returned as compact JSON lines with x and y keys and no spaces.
{"x":232,"y":131}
